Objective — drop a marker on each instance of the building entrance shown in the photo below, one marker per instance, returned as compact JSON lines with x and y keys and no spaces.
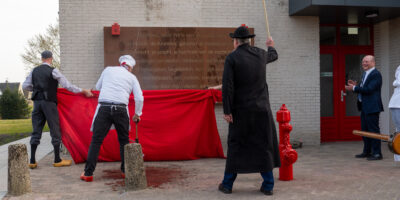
{"x":342,"y":48}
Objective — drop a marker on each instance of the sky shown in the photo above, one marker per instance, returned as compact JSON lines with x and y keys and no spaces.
{"x":21,"y":20}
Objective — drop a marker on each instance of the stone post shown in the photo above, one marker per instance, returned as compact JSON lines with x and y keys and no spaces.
{"x":135,"y":174}
{"x":19,"y":179}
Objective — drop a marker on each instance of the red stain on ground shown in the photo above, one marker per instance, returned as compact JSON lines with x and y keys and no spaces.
{"x":156,"y":176}
{"x":115,"y":175}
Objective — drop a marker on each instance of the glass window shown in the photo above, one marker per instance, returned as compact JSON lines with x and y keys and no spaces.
{"x":326,"y":85}
{"x":327,"y":35}
{"x":355,"y":36}
{"x":353,"y":72}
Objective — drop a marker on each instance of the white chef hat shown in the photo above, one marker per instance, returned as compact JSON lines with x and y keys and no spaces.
{"x":127,"y":60}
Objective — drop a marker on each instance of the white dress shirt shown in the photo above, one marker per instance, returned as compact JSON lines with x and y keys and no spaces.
{"x":395,"y":100}
{"x":27,"y":85}
{"x":116,"y":84}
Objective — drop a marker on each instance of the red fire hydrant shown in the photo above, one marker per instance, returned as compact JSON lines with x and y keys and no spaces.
{"x":288,"y":155}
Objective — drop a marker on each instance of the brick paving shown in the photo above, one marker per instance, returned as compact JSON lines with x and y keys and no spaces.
{"x":329,"y":171}
{"x":44,"y":148}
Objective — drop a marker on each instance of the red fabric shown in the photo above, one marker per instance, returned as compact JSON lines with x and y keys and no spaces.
{"x":175,"y":125}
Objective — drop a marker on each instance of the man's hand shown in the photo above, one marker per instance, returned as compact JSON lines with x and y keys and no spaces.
{"x":218,"y":87}
{"x":136,"y":118}
{"x":349,"y":87}
{"x":270,"y":42}
{"x":87,"y":93}
{"x":228,"y":118}
{"x":351,"y":82}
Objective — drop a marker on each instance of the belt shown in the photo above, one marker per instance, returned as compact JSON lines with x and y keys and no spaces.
{"x":112,"y":104}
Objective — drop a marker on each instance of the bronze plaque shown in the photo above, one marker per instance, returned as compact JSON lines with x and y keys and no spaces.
{"x":170,"y":57}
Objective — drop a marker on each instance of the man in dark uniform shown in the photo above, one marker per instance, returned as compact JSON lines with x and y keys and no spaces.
{"x":252,"y":139}
{"x":43,"y":81}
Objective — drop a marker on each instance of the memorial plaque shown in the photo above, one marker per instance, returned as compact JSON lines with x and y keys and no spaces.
{"x":170,"y":57}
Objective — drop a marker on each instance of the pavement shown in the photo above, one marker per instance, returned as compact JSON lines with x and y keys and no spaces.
{"x":328,"y":172}
{"x":43,"y":149}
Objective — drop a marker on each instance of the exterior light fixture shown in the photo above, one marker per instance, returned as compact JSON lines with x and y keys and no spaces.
{"x":372,"y":14}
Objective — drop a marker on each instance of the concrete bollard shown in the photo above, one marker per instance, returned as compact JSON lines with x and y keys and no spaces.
{"x":135,"y":174}
{"x":19,"y":179}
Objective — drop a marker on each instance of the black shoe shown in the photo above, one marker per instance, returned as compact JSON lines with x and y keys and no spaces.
{"x":375,"y":157}
{"x":363,"y":155}
{"x":224,"y":189}
{"x":266,"y":192}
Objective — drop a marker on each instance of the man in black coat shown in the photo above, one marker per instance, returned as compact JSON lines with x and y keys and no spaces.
{"x":252,"y":139}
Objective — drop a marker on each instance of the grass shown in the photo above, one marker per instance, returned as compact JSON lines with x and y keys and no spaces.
{"x":11,"y":130}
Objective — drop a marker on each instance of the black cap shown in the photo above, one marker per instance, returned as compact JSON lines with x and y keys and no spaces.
{"x":242,"y":32}
{"x":47,"y":54}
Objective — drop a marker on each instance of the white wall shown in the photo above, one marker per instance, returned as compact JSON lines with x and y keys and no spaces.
{"x":293,"y":79}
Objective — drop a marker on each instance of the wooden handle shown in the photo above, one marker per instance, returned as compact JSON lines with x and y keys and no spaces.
{"x":371,"y":135}
{"x":266,"y":19}
{"x":137,"y":138}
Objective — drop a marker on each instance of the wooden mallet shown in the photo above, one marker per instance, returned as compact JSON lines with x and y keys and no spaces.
{"x":137,"y":135}
{"x":393,"y":140}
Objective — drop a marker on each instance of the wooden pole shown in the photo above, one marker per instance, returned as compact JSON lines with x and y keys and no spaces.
{"x":372,"y":135}
{"x":266,"y":19}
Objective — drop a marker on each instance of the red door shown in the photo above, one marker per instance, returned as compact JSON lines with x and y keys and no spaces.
{"x":341,"y":52}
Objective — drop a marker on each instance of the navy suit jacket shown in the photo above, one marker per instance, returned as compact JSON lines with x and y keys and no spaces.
{"x":371,"y":101}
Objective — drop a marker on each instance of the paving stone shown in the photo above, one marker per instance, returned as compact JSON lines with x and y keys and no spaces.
{"x":328,"y":172}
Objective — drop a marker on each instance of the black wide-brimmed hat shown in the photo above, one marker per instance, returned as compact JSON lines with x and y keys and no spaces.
{"x":242,"y":32}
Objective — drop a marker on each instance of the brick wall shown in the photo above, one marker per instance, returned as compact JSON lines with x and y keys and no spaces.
{"x":381,"y":50}
{"x":387,"y":51}
{"x":293,"y":79}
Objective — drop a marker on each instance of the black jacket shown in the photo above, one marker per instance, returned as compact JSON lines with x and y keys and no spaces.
{"x":252,"y":138}
{"x":244,"y":83}
{"x":371,"y":101}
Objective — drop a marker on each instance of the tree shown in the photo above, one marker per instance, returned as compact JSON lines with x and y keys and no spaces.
{"x":36,"y":45}
{"x":13,"y":105}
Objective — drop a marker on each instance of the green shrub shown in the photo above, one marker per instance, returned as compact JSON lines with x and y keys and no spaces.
{"x":13,"y":105}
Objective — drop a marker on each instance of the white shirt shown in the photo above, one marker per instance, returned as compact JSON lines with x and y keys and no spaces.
{"x":116,"y":84}
{"x":395,"y":99}
{"x":27,"y":85}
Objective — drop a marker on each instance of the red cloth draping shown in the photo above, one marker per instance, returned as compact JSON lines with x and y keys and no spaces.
{"x":175,"y":125}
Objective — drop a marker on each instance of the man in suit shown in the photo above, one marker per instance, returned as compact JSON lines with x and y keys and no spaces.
{"x":252,"y":139}
{"x":370,"y":104}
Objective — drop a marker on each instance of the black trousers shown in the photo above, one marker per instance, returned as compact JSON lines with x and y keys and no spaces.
{"x":370,"y":123}
{"x":45,"y":111}
{"x":106,"y":116}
